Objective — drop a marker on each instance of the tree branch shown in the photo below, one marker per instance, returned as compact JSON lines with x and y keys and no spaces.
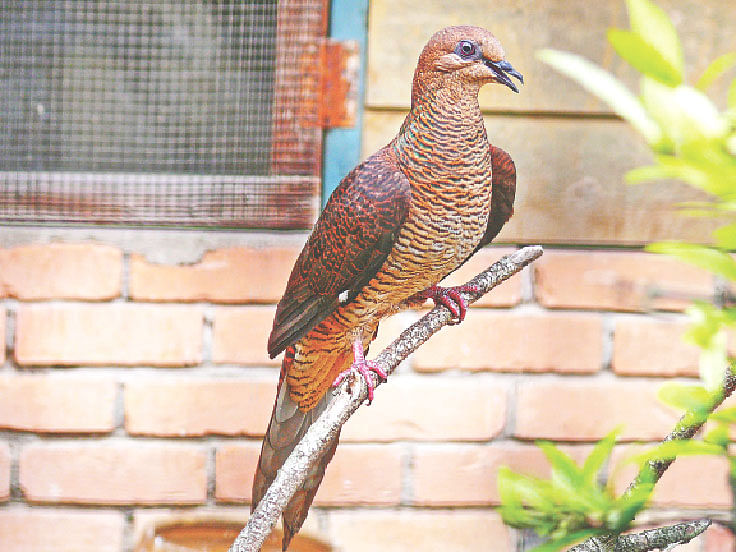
{"x":662,"y":538}
{"x":351,"y":394}
{"x":653,"y":470}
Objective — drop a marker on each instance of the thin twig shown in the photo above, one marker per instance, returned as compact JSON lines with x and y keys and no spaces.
{"x":653,"y":470}
{"x":351,"y":394}
{"x":662,"y":538}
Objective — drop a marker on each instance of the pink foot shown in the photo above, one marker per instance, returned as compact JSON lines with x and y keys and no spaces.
{"x":450,"y":297}
{"x":364,"y":368}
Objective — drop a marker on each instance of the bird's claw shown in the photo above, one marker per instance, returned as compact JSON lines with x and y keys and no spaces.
{"x":451,"y":298}
{"x":364,"y":368}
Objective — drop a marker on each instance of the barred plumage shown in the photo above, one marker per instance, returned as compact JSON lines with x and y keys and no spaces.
{"x":398,"y":223}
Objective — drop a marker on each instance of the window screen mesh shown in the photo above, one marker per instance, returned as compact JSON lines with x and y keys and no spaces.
{"x":160,"y":112}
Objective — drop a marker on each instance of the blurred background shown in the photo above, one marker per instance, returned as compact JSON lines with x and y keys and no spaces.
{"x":161,"y":164}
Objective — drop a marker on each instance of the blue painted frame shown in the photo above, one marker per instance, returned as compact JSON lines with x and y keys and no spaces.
{"x":341,"y":146}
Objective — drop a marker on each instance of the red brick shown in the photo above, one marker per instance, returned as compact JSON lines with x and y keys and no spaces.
{"x":431,"y":408}
{"x":506,"y":294}
{"x":233,"y":275}
{"x":707,"y":483}
{"x":43,"y":530}
{"x":362,"y":474}
{"x":718,"y":539}
{"x":108,"y":334}
{"x":101,"y":473}
{"x":435,"y":530}
{"x":47,"y":403}
{"x":240,"y":335}
{"x":446,"y":475}
{"x":690,"y":482}
{"x":653,"y":347}
{"x":358,"y":474}
{"x":4,"y":472}
{"x":627,"y":281}
{"x":489,"y":340}
{"x":576,"y":410}
{"x":61,"y":271}
{"x":234,"y":469}
{"x":193,"y":407}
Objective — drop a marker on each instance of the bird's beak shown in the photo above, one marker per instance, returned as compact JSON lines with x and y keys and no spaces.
{"x":503,"y":69}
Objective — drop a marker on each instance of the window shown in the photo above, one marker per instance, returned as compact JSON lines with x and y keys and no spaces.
{"x":196,"y":113}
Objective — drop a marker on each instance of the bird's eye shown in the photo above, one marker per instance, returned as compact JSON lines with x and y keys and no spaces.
{"x":465,"y":49}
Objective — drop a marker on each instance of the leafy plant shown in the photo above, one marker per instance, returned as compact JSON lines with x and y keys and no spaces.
{"x":572,"y":504}
{"x":693,"y":142}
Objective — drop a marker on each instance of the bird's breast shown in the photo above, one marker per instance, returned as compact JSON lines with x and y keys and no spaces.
{"x":446,"y":158}
{"x":446,"y":221}
{"x":451,"y":221}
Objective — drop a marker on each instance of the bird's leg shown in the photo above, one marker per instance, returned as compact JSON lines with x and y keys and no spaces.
{"x":450,"y":297}
{"x":363,"y":367}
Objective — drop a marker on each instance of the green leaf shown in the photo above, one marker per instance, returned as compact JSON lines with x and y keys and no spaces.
{"x":731,"y":102}
{"x":713,"y":361}
{"x":557,"y":544}
{"x":653,"y":25}
{"x":569,"y":489}
{"x":702,"y":176}
{"x":728,"y":315}
{"x":601,"y":451}
{"x":716,"y":68}
{"x":504,"y":480}
{"x":643,"y":57}
{"x":606,"y":87}
{"x":631,"y":502}
{"x":691,"y":398}
{"x":672,"y":449}
{"x":683,"y":113}
{"x":718,"y":436}
{"x":516,"y":490}
{"x":700,"y":112}
{"x":708,"y":208}
{"x":725,"y":236}
{"x":727,"y":415}
{"x":665,"y":171}
{"x":709,"y":258}
{"x":706,"y":321}
{"x":564,"y":468}
{"x":507,"y":489}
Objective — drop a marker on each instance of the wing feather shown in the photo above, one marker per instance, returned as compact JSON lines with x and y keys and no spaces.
{"x":350,"y":242}
{"x":502,"y":194}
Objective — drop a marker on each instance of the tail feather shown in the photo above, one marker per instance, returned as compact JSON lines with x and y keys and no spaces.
{"x":287,"y":426}
{"x":296,"y":512}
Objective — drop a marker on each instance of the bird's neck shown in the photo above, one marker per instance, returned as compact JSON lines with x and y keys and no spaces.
{"x":442,"y":133}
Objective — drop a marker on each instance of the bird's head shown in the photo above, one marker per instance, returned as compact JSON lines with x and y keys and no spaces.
{"x":463,"y":57}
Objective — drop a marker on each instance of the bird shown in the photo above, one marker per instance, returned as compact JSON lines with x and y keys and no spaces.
{"x":395,"y":226}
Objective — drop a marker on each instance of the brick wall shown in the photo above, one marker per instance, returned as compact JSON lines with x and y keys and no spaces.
{"x":134,"y":391}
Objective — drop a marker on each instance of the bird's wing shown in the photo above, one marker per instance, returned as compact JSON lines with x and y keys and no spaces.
{"x":349,"y":243}
{"x":503,"y":184}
